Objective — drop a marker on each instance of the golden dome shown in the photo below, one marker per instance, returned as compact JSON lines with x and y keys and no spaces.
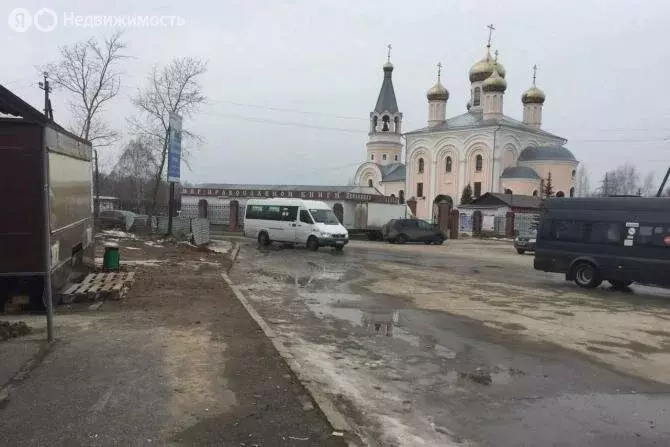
{"x":495,"y":82}
{"x":533,"y":96}
{"x":482,"y":69}
{"x":437,"y":93}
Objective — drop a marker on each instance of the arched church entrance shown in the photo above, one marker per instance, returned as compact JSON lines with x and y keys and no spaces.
{"x":338,"y":210}
{"x":442,"y":206}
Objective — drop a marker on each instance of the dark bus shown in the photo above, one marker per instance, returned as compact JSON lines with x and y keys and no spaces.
{"x":618,"y":239}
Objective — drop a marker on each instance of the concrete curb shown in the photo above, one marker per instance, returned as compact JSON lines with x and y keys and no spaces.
{"x":235,"y":252}
{"x":336,"y":419}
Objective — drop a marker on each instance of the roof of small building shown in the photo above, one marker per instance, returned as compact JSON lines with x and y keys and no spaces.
{"x":474,"y":118}
{"x":496,"y":200}
{"x":12,"y":108}
{"x":533,"y":153}
{"x":394,"y":172}
{"x":520,"y":172}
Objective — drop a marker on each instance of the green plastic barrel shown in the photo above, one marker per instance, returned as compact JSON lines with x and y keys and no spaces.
{"x":111,"y":259}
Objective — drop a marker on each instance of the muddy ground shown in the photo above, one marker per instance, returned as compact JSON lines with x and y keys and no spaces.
{"x":178,"y":362}
{"x":465,"y":344}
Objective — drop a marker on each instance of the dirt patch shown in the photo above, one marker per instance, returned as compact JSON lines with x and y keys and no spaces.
{"x":13,"y":330}
{"x":230,"y":386}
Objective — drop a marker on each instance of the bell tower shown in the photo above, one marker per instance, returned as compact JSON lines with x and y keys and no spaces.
{"x":384,"y":144}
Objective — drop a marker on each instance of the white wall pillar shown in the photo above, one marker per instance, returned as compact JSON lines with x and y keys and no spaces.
{"x":461,"y":179}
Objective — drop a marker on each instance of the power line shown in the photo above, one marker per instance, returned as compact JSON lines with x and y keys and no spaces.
{"x":282,"y":109}
{"x":282,"y":123}
{"x":618,"y":140}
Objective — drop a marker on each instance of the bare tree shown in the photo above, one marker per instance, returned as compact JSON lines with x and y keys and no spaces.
{"x":623,"y":180}
{"x":133,"y":173}
{"x":582,"y":185}
{"x":170,"y":89}
{"x":648,"y":187}
{"x":89,"y":70}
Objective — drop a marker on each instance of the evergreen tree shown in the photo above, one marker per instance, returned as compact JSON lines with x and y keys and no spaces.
{"x":548,"y":187}
{"x":466,"y":197}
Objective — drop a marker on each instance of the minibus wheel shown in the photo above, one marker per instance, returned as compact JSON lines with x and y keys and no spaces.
{"x":586,"y":275}
{"x":313,"y":243}
{"x":263,"y":239}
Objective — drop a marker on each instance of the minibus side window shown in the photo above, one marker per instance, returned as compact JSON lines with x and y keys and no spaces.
{"x":305,"y":217}
{"x":289,"y":213}
{"x":653,"y":235}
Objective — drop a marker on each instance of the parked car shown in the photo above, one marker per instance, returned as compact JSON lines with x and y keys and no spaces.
{"x":116,"y":219}
{"x":525,"y":242}
{"x":399,"y":231}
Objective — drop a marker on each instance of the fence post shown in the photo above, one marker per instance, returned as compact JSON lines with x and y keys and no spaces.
{"x":234,"y":214}
{"x":455,"y":217}
{"x":509,"y":224}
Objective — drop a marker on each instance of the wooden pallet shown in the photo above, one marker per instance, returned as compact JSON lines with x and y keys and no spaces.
{"x":97,"y":286}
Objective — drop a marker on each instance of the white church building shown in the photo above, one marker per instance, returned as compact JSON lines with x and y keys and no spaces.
{"x":482,"y":148}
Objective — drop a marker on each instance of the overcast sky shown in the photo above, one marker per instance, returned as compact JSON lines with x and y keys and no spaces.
{"x":603,"y":65}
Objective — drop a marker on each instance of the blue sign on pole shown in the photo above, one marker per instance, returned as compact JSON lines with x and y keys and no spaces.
{"x":174,"y":149}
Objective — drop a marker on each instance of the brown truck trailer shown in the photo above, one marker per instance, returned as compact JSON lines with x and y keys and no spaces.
{"x":36,"y":154}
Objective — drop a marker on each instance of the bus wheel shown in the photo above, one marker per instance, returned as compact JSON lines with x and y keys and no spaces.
{"x":619,"y":285}
{"x":586,"y":275}
{"x":263,"y":239}
{"x":313,"y":243}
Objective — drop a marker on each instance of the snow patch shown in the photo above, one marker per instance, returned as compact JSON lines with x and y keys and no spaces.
{"x":220,"y":246}
{"x":119,"y":234}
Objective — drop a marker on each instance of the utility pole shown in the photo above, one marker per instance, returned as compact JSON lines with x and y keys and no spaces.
{"x":48,"y":111}
{"x":47,"y":297}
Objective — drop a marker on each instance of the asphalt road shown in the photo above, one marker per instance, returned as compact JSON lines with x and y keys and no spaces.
{"x":465,"y":344}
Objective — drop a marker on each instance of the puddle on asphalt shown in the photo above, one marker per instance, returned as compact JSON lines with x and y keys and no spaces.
{"x":377,"y":323}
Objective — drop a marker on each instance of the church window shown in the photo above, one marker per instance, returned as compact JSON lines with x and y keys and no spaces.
{"x":535,"y":193}
{"x":448,"y":165}
{"x":384,"y":157}
{"x":421,"y":166}
{"x":372,"y":156}
{"x":374,"y":123}
{"x":560,"y":194}
{"x":479,"y":162}
{"x":478,"y":189}
{"x":401,"y":196}
{"x":396,"y":126}
{"x":370,"y":183}
{"x":476,"y":99}
{"x":574,"y":173}
{"x":395,"y":157}
{"x":419,"y":189}
{"x":385,"y":123}
{"x":572,"y":191}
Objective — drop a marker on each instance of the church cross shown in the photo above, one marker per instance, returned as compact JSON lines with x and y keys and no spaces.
{"x":388,"y":56}
{"x":439,"y":71}
{"x":491,"y":29}
{"x":534,"y":73}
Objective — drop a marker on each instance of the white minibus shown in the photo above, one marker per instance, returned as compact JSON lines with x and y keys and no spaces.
{"x":294,"y":221}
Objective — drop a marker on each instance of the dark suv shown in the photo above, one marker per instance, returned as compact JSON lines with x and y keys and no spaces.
{"x":399,"y":231}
